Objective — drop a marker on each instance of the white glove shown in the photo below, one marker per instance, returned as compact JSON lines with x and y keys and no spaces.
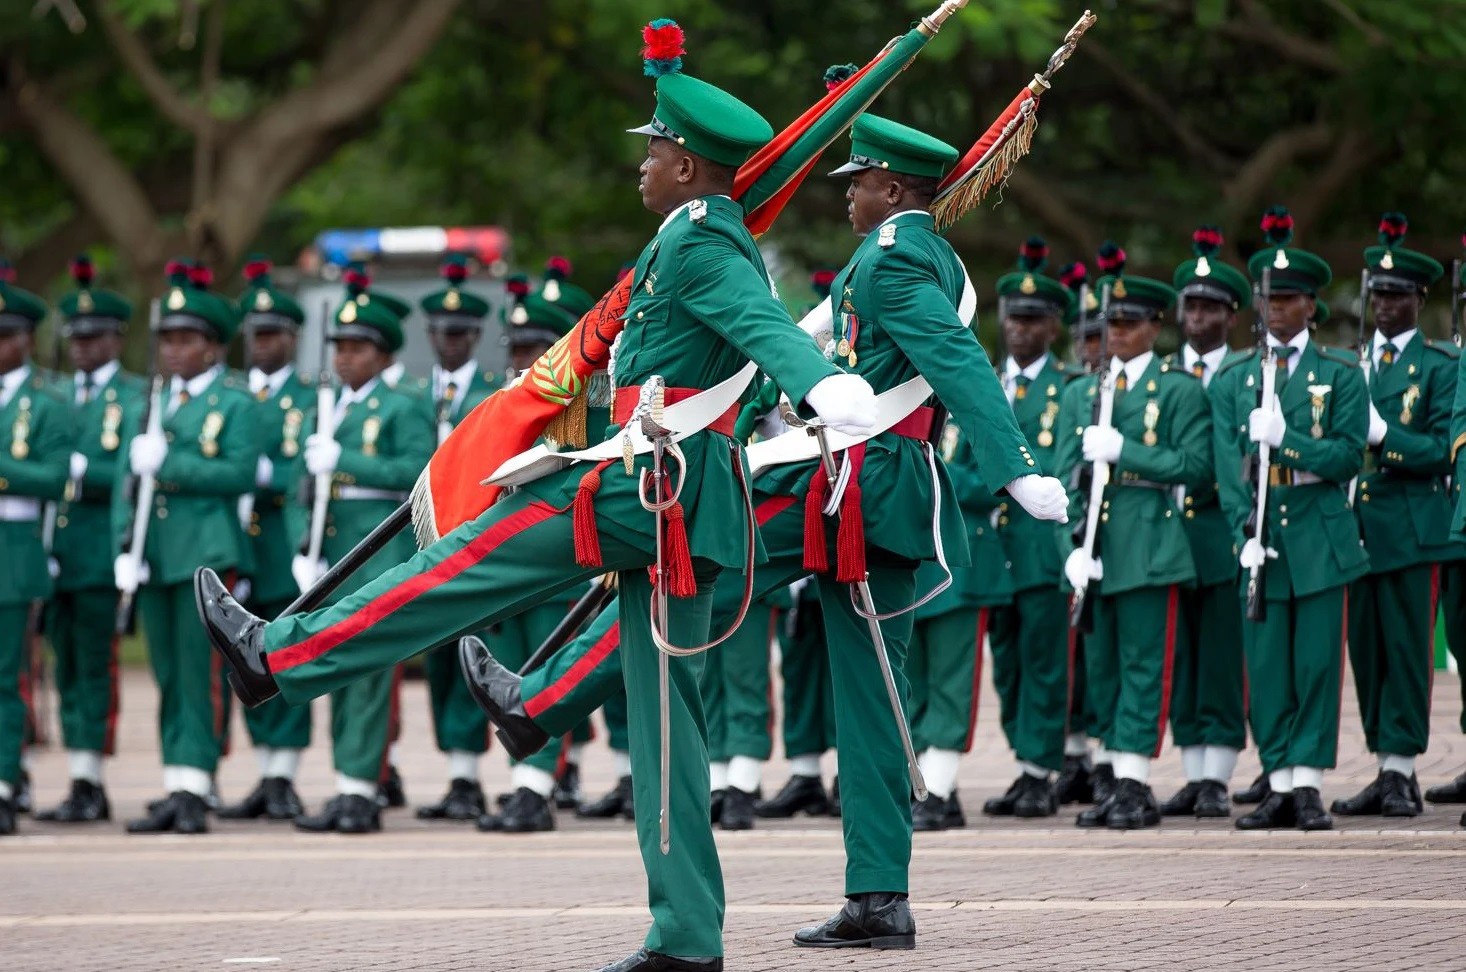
{"x":1266,"y":425}
{"x":78,"y":466}
{"x":129,"y":572}
{"x":1102,"y":444}
{"x":1254,"y":554}
{"x":1080,"y":568}
{"x":321,"y":455}
{"x":306,"y":573}
{"x":146,"y":454}
{"x":264,"y":473}
{"x":1042,"y":496}
{"x":1377,"y":426}
{"x":846,"y":403}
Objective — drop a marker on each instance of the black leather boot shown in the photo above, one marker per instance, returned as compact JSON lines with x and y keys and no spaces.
{"x":238,"y":636}
{"x":1256,"y":793}
{"x":1073,"y":784}
{"x":463,"y":801}
{"x":87,"y":802}
{"x":252,"y":807}
{"x":618,"y":802}
{"x":567,"y":788}
{"x":801,"y":794}
{"x":1212,"y":800}
{"x":1365,"y":803}
{"x":1039,"y":798}
{"x":1002,"y":806}
{"x":1183,"y":803}
{"x":526,"y":813}
{"x":1134,"y":807}
{"x":737,"y":811}
{"x":877,"y":919}
{"x":1452,"y":792}
{"x":1275,"y":812}
{"x":645,"y":960}
{"x":1308,"y":807}
{"x":1102,"y":782}
{"x":1397,"y":795}
{"x":929,"y":814}
{"x":496,"y":690}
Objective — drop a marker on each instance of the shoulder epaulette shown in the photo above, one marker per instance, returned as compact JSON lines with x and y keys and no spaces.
{"x":1240,"y":357}
{"x":1339,"y":355}
{"x":1447,"y":348}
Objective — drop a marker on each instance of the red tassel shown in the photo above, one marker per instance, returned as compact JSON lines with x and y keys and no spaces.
{"x":587,"y":541}
{"x":815,"y":557}
{"x":850,"y":542}
{"x":680,"y":581}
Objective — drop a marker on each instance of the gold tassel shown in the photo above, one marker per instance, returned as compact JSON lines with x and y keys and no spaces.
{"x":992,"y":172}
{"x":570,"y":427}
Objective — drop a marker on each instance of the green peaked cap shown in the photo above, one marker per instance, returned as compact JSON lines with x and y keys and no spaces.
{"x":706,"y":120}
{"x":1029,"y":292}
{"x":453,"y":308}
{"x":879,"y":143}
{"x":264,"y":306}
{"x":369,"y":315}
{"x":20,"y":310}
{"x":91,"y":310}
{"x":188,"y":304}
{"x":551,"y":311}
{"x":1136,"y":297}
{"x":1293,"y":271}
{"x":1207,"y":277}
{"x":1394,"y":269}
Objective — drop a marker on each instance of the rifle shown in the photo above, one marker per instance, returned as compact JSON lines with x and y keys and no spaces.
{"x":1363,"y":342}
{"x":587,"y":607}
{"x":139,"y":489}
{"x":1456,"y":301}
{"x":1081,"y":609}
{"x":325,"y":426}
{"x":1267,"y":398}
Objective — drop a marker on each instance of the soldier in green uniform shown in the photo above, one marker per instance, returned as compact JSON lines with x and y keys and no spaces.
{"x":1208,"y":700}
{"x":701,"y":279}
{"x":1030,"y":635}
{"x":382,"y":438}
{"x":1404,"y":512}
{"x":1158,"y":439}
{"x":105,"y":403}
{"x":1317,"y":433}
{"x":35,"y":431}
{"x":274,"y":522}
{"x":203,"y":459}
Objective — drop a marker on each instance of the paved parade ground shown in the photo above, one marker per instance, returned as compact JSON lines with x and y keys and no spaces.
{"x":1041,"y":896}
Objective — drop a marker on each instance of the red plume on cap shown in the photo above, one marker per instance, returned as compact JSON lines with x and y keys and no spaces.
{"x":1277,"y":226}
{"x":256,"y":269}
{"x":557,"y":268}
{"x":356,"y":278}
{"x":1111,"y":258}
{"x":1392,"y":229}
{"x":517,"y":286}
{"x":177,"y":273}
{"x":1033,"y":253}
{"x":7,"y":271}
{"x":662,"y":50}
{"x":200,"y":276}
{"x":82,"y":270}
{"x":454,"y":269}
{"x":822,"y":281}
{"x":1074,"y":275}
{"x":1207,"y":240}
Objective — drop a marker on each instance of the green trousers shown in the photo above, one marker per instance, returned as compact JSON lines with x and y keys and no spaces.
{"x":361,"y":725}
{"x":193,"y":719}
{"x":1295,"y":663}
{"x":515,"y":555}
{"x":1208,"y":697}
{"x":809,"y":692}
{"x":1392,"y":651}
{"x":1129,"y":660}
{"x":277,"y":724}
{"x":945,"y":670}
{"x":80,"y":626}
{"x":1453,"y":613}
{"x":1082,"y":716}
{"x":735,"y":683}
{"x":1031,"y":661}
{"x":458,"y":723}
{"x":614,"y":714}
{"x":14,"y":639}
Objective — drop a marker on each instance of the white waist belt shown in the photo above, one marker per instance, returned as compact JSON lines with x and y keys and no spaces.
{"x":368,"y":493}
{"x":20,"y":509}
{"x":797,"y":445}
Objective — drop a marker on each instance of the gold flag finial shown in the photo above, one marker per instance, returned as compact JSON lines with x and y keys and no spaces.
{"x":933,"y":21}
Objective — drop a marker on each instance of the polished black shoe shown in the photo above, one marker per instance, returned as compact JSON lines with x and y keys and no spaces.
{"x":1134,"y":807}
{"x":1073,"y":784}
{"x":715,"y":806}
{"x":1256,"y":793}
{"x":1308,"y":808}
{"x":644,"y":960}
{"x":343,"y":814}
{"x":8,"y":814}
{"x":496,"y":690}
{"x":238,"y":636}
{"x":877,"y":919}
{"x":252,"y":807}
{"x":1102,"y":782}
{"x":929,"y":814}
{"x":1275,"y":812}
{"x":835,"y":797}
{"x":1183,"y":803}
{"x":955,"y":818}
{"x":392,"y":794}
{"x":618,"y":802}
{"x":1364,"y":803}
{"x":737,"y":811}
{"x":526,"y":813}
{"x":1397,"y":795}
{"x":180,"y":813}
{"x":1002,"y":806}
{"x":86,"y":803}
{"x":281,"y":800}
{"x":1038,"y":798}
{"x":24,"y":799}
{"x":1452,"y":792}
{"x":463,"y":801}
{"x":1097,"y":815}
{"x":1212,"y":800}
{"x":801,"y":794}
{"x":567,"y":788}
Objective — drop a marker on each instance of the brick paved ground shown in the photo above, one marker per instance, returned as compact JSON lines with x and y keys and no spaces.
{"x":1042,"y":896}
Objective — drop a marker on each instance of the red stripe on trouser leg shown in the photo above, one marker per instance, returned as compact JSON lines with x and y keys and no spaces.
{"x":575,"y":674}
{"x":414,"y":587}
{"x":1435,"y":596}
{"x":109,"y":739}
{"x":1069,"y":689}
{"x":1167,"y":670}
{"x":1343,"y":657}
{"x":982,"y":630}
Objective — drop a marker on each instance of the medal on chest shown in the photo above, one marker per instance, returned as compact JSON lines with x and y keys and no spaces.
{"x":20,"y":430}
{"x":371,"y":430}
{"x":111,"y":424}
{"x":290,"y":433}
{"x":1407,"y":404}
{"x":1046,"y":425}
{"x":950,"y":436}
{"x":209,"y":437}
{"x":1316,"y":397}
{"x":847,"y":329}
{"x":1152,"y":417}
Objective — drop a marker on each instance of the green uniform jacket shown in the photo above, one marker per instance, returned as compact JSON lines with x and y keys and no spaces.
{"x":277,"y":521}
{"x":701,"y":307}
{"x":1407,"y":484}
{"x":1167,"y":427}
{"x":1458,"y":452}
{"x":35,"y":457}
{"x":1206,"y":525}
{"x":988,"y":581}
{"x":905,"y":296}
{"x":483,"y":385}
{"x":1029,"y":542}
{"x":213,"y":450}
{"x":385,"y":443}
{"x":1306,"y":521}
{"x":82,"y":544}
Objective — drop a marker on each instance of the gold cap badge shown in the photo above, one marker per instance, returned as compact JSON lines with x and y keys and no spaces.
{"x":263,"y":300}
{"x":451,"y":300}
{"x":176,"y":300}
{"x":1028,"y":286}
{"x":348,"y":313}
{"x":84,"y":302}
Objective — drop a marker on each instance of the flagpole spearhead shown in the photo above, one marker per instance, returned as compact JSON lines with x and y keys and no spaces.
{"x":933,"y":22}
{"x":1066,"y":50}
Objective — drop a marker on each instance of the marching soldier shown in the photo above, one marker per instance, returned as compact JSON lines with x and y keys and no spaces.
{"x":203,"y":459}
{"x":1317,"y":429}
{"x":106,"y":402}
{"x":1030,"y":635}
{"x":1156,"y":440}
{"x":1404,"y":513}
{"x":285,"y":403}
{"x":1208,"y":706}
{"x":382,"y":438}
{"x":455,"y":325}
{"x":36,"y":433}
